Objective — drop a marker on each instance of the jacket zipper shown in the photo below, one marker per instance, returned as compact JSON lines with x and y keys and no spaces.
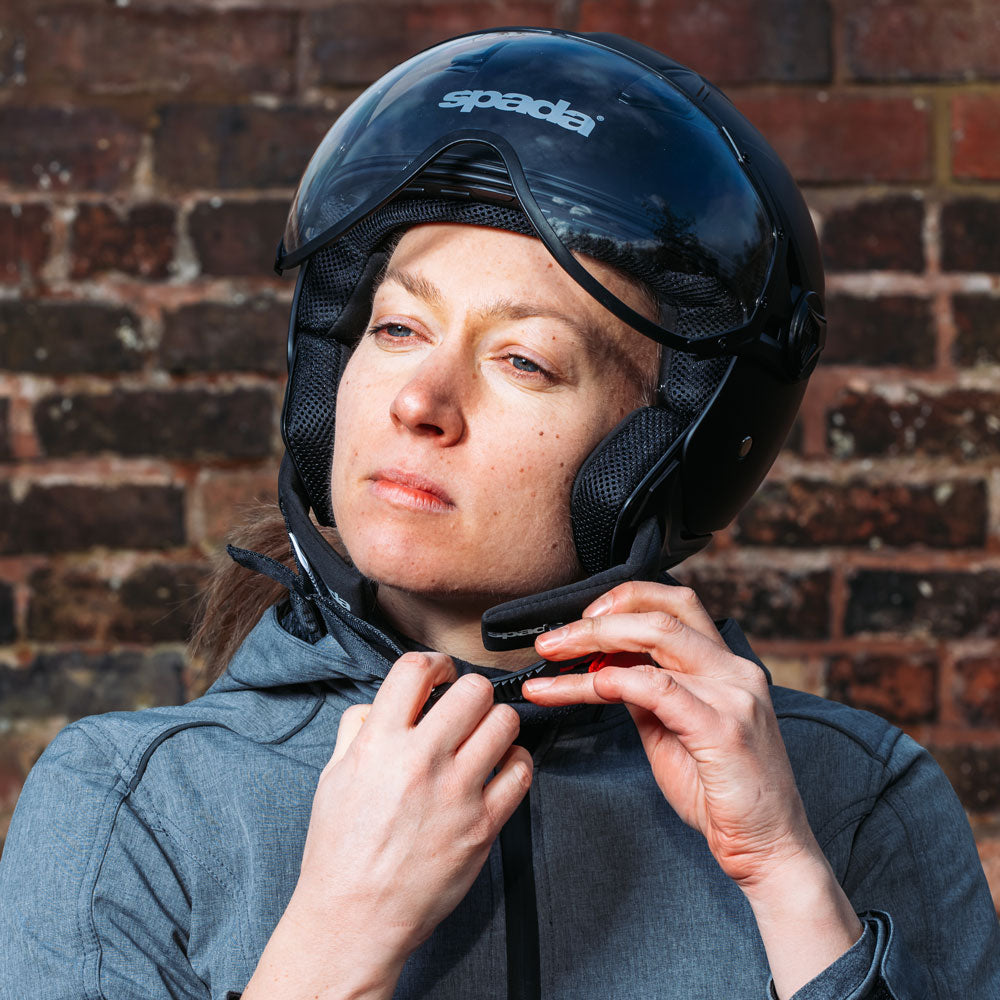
{"x":520,"y":906}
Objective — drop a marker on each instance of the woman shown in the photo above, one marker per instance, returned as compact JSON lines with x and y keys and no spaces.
{"x":542,"y":367}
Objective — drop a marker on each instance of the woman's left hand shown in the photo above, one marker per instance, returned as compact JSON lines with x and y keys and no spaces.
{"x":704,"y":716}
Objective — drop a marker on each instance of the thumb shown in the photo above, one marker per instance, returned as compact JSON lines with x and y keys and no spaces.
{"x":350,"y":725}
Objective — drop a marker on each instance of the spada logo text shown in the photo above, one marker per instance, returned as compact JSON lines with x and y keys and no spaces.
{"x":557,"y":112}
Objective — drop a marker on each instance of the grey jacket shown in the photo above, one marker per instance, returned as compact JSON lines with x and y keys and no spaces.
{"x":152,"y":853}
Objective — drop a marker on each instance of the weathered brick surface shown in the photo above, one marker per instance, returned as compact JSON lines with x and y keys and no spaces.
{"x":67,"y":518}
{"x":115,"y":50}
{"x":968,"y":235}
{"x":960,"y":423}
{"x":225,"y":497}
{"x":74,"y":684}
{"x":832,"y":137}
{"x":58,"y":338}
{"x":6,"y":451}
{"x":977,"y":324}
{"x":24,"y":242}
{"x":139,"y":241}
{"x":875,"y":235}
{"x":238,"y":238}
{"x":768,"y":602}
{"x":975,"y":137}
{"x":900,"y":688}
{"x":66,"y":149}
{"x":8,"y":625}
{"x":156,"y":603}
{"x":213,"y":336}
{"x":809,"y":513}
{"x":946,"y":604}
{"x":733,"y":42}
{"x":923,"y":40}
{"x":886,"y":330}
{"x":185,"y":424}
{"x":355,"y":43}
{"x":973,"y":771}
{"x":199,"y":146}
{"x":977,"y":690}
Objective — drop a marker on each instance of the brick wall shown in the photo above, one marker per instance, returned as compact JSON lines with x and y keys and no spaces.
{"x":150,"y":150}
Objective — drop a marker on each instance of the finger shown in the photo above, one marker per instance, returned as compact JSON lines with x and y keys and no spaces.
{"x":645,"y":595}
{"x":350,"y":725}
{"x":570,"y":689}
{"x":457,"y":713}
{"x":489,"y":742}
{"x":510,"y":784}
{"x":660,"y":692}
{"x":406,"y":687}
{"x":658,"y":634}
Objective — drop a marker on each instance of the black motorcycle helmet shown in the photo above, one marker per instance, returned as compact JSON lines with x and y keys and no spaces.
{"x":596,"y":145}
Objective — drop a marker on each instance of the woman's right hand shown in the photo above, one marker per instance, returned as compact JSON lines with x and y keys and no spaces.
{"x":402,"y":821}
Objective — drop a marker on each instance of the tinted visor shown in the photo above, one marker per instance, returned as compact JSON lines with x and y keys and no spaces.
{"x":605,"y":156}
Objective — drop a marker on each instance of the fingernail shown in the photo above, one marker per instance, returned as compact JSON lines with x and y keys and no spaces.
{"x":600,"y":607}
{"x":537,"y":684}
{"x":552,"y":639}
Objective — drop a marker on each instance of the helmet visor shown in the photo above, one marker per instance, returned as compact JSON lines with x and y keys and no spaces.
{"x":606,"y":156}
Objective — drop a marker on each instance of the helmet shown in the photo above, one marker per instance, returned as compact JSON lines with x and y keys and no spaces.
{"x":597,"y":145}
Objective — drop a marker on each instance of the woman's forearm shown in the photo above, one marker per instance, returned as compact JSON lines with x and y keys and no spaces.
{"x":805,"y":920}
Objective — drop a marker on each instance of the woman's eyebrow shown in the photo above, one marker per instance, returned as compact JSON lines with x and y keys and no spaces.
{"x":501,"y":308}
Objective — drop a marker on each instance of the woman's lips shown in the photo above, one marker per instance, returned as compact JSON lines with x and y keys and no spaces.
{"x":408,"y":489}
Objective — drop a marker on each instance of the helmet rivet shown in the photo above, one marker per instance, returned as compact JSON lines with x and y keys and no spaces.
{"x":744,"y":449}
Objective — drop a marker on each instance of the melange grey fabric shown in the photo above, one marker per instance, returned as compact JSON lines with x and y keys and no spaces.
{"x":153,"y":852}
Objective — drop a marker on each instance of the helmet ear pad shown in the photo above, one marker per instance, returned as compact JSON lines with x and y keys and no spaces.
{"x":614,"y":471}
{"x":309,"y":413}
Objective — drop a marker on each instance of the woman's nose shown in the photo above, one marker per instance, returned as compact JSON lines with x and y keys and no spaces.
{"x":430,"y":404}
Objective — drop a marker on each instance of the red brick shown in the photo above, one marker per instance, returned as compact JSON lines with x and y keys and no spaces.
{"x":975,"y":136}
{"x":810,"y":513}
{"x":188,"y":424}
{"x":837,"y":137}
{"x":977,"y":690}
{"x":355,"y":43}
{"x":732,"y":41}
{"x":972,"y":771}
{"x":238,"y":238}
{"x":225,"y":498}
{"x":69,"y":517}
{"x":6,"y":451}
{"x":74,"y":684}
{"x":968,"y":235}
{"x":943,"y":604}
{"x":977,"y":320}
{"x":155,"y":603}
{"x":768,"y":603}
{"x":89,"y":149}
{"x":139,"y":240}
{"x":24,"y":242}
{"x":902,"y":689}
{"x":207,"y":147}
{"x":923,"y":39}
{"x":884,"y":234}
{"x":127,"y":50}
{"x":211,"y":337}
{"x":60,"y":338}
{"x":961,"y":423}
{"x":885,"y":330}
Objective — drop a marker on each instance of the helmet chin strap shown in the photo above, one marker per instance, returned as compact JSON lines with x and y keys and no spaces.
{"x":512,"y":625}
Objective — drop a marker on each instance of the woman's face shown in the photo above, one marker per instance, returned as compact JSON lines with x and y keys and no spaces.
{"x":484,"y":379}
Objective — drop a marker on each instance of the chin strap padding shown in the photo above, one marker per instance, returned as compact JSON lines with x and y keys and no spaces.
{"x":515,"y":624}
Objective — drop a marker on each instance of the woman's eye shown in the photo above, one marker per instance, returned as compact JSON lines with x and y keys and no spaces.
{"x":523,"y":364}
{"x":395,"y":330}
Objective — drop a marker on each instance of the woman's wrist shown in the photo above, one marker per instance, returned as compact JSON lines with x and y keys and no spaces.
{"x":320,"y":957}
{"x":804,"y":917}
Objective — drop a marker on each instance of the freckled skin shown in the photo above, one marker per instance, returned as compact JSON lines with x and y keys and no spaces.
{"x":446,"y":400}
